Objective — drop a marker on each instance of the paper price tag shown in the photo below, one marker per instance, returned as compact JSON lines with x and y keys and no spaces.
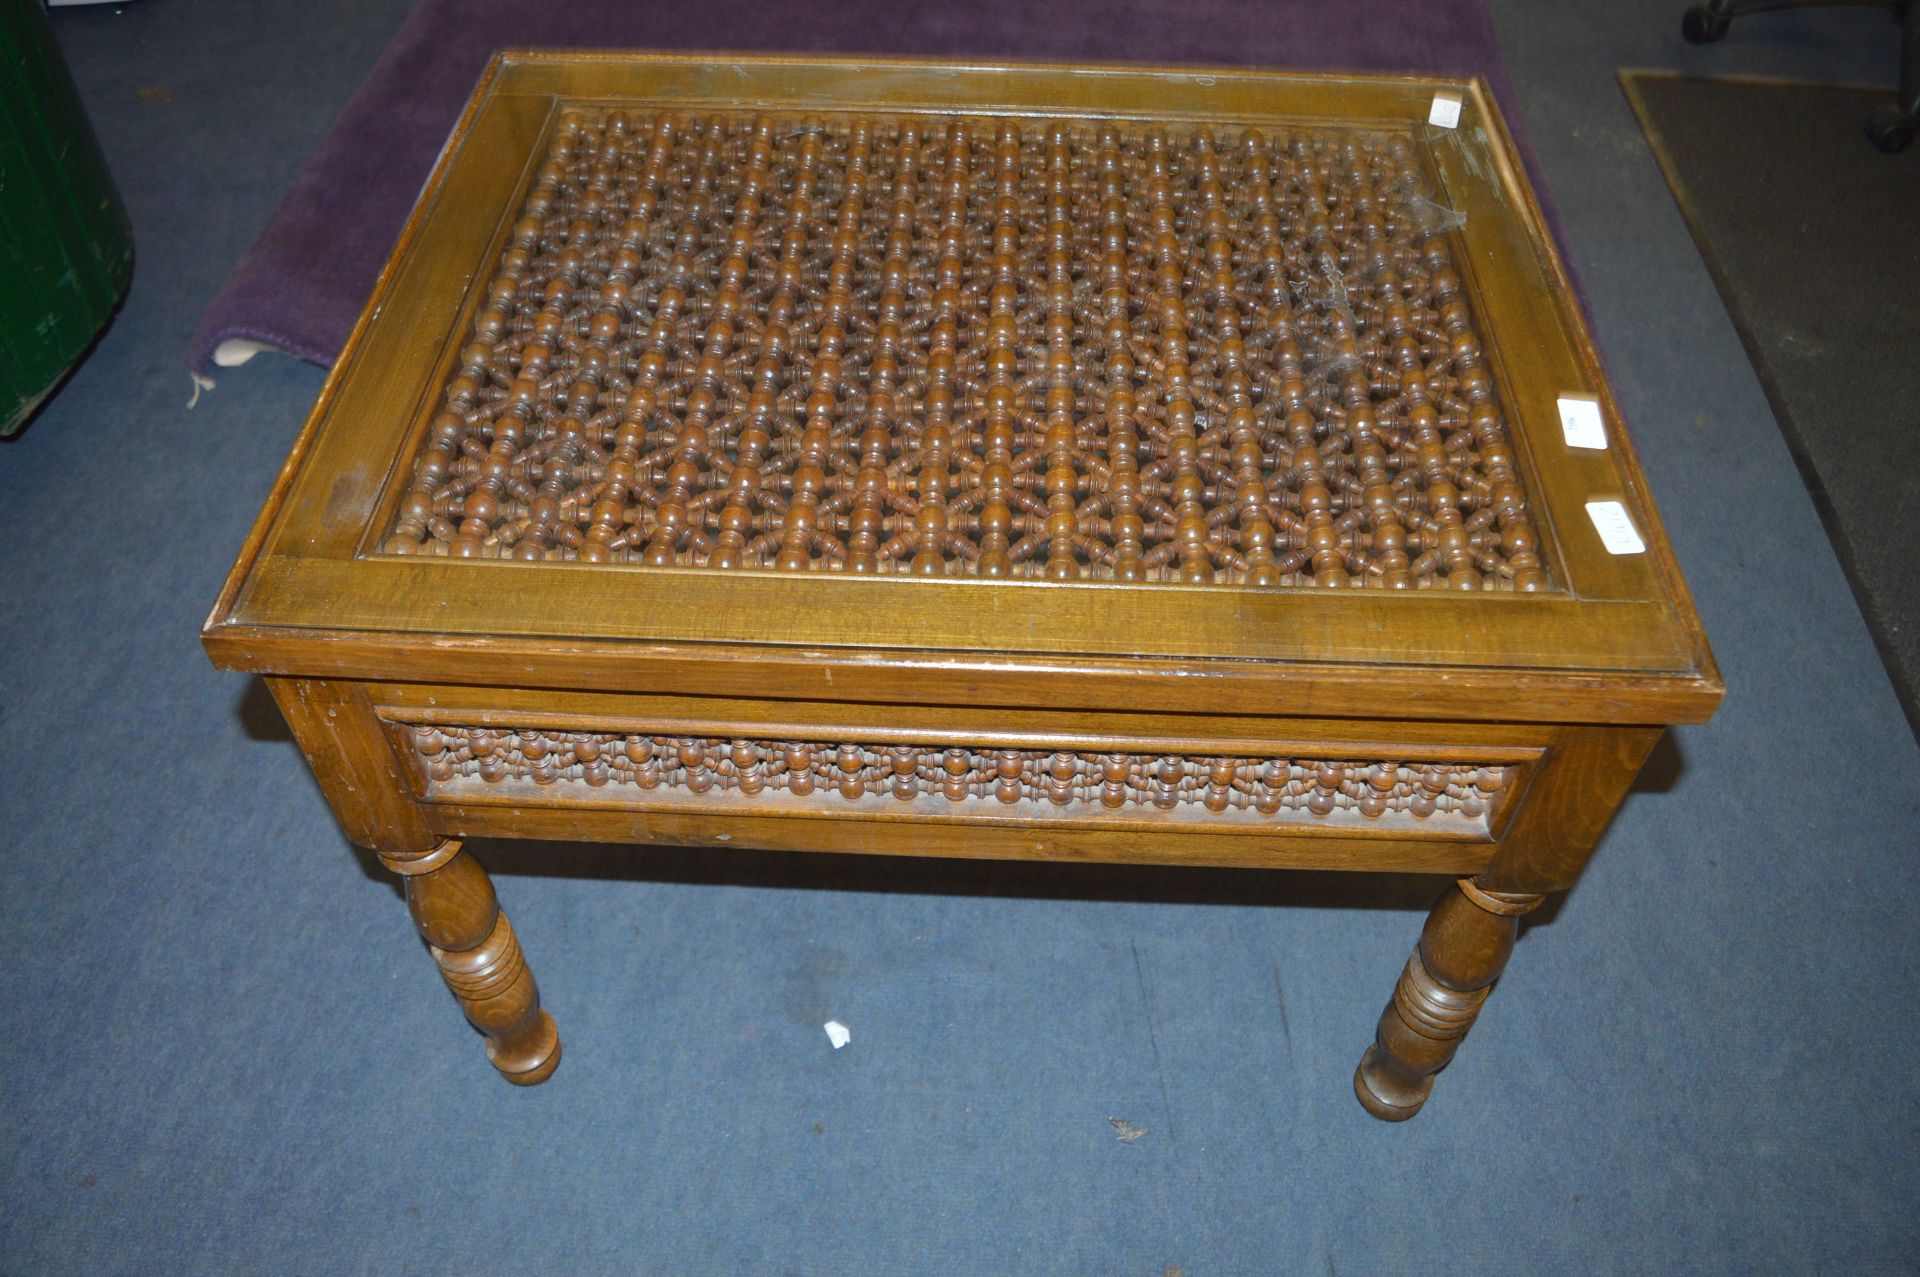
{"x":1581,"y":422}
{"x":1445,"y":111}
{"x":1615,"y":526}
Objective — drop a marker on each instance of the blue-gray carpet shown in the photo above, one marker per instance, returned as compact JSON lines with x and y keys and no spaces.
{"x":1831,"y":327}
{"x":228,"y":1054}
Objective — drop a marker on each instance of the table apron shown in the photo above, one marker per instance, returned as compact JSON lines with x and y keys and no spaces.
{"x":405,"y":763}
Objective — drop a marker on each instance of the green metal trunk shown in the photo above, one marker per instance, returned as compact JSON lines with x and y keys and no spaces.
{"x":66,"y":247}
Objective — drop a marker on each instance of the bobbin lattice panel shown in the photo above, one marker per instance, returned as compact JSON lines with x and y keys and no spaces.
{"x":1008,"y":347}
{"x":460,"y":763}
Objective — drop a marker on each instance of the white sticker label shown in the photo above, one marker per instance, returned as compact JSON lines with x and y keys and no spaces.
{"x":1615,"y":526}
{"x":1581,"y":422}
{"x":1445,"y":112}
{"x":838,"y":1034}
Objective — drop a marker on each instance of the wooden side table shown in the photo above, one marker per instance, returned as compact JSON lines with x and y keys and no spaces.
{"x":1095,"y":463}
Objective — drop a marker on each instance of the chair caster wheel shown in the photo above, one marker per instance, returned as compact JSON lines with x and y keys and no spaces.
{"x":1701,"y":25}
{"x":1890,"y":128}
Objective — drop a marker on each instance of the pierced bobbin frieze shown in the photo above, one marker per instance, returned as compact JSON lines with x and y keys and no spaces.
{"x":459,"y":760}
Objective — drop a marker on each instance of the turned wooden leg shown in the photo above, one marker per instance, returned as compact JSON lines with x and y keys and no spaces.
{"x":1465,"y":945}
{"x":453,"y":904}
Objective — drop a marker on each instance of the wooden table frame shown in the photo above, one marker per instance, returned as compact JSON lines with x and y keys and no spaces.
{"x":374,"y":658}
